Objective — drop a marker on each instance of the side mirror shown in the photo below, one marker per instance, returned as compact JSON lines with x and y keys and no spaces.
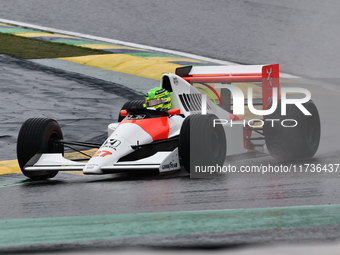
{"x":174,"y":112}
{"x":123,"y":113}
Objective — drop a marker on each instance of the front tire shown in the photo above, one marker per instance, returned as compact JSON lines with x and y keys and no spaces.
{"x":36,"y":136}
{"x":290,"y":143}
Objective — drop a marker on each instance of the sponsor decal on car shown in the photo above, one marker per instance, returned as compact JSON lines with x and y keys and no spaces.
{"x":169,"y":166}
{"x":91,"y":166}
{"x":131,"y":116}
{"x":111,"y":143}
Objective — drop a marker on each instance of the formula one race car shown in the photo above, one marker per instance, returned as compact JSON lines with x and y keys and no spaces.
{"x":195,"y":131}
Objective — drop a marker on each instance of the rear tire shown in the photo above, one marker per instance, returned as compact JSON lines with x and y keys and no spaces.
{"x":290,"y":143}
{"x":200,"y":143}
{"x":134,"y":104}
{"x":36,"y":136}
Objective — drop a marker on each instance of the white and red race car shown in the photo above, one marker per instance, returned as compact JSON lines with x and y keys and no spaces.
{"x":195,"y":131}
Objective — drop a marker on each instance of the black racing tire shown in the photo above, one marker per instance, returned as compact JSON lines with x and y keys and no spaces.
{"x":36,"y":136}
{"x":200,"y":143}
{"x":291,"y":143}
{"x":134,"y":104}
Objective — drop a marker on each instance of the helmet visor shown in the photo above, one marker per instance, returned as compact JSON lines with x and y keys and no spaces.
{"x":155,"y":102}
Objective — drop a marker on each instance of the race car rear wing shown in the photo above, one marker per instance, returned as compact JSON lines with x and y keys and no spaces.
{"x":267,"y":74}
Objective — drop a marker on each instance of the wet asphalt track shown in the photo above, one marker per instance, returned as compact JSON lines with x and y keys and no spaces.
{"x":72,"y":195}
{"x":301,"y":35}
{"x":82,"y":105}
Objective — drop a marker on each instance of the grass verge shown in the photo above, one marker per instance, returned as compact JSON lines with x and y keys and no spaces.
{"x":26,"y":48}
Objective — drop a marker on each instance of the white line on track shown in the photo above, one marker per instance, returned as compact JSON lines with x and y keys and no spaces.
{"x":129,"y":44}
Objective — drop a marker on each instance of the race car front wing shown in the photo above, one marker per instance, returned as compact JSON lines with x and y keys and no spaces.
{"x":164,"y":161}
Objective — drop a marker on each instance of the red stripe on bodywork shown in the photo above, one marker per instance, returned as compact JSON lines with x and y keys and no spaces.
{"x":213,"y":90}
{"x":157,"y":128}
{"x":246,"y":133}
